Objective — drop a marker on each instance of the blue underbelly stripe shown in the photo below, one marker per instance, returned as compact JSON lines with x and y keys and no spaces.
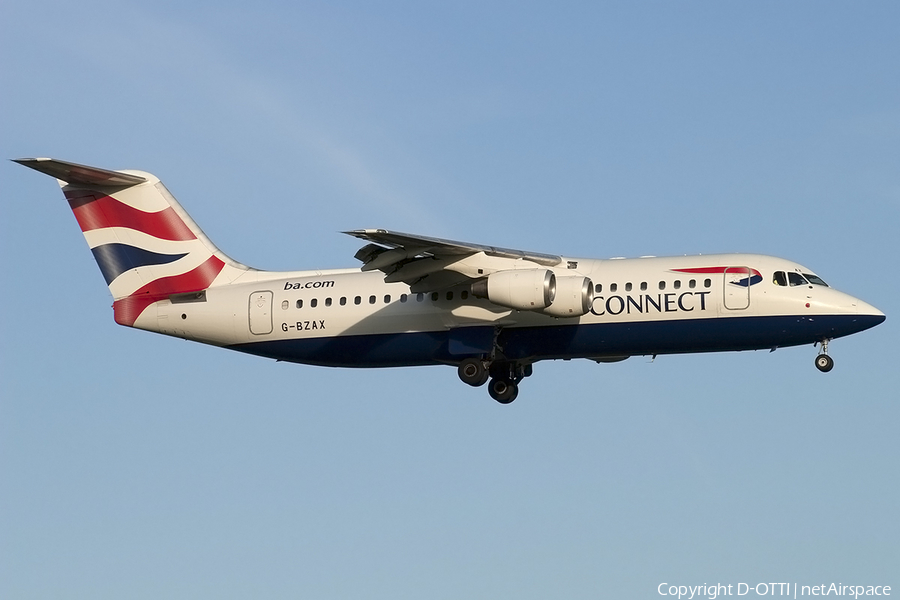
{"x":568,"y":341}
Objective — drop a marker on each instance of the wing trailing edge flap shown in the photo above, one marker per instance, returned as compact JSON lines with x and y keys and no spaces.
{"x":427,"y":263}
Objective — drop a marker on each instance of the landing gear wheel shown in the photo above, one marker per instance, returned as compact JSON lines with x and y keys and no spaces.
{"x":503,"y":390}
{"x":824,"y":363}
{"x":472,"y":371}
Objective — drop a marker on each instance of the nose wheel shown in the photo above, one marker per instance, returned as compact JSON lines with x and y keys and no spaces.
{"x":824,"y":362}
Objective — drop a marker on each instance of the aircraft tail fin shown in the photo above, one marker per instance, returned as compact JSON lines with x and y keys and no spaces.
{"x":147,"y":247}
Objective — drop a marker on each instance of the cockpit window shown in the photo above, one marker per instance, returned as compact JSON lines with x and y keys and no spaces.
{"x":779,"y":278}
{"x":796,"y":279}
{"x":815,"y":279}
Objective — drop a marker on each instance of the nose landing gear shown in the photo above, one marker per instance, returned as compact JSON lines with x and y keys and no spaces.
{"x":824,"y":362}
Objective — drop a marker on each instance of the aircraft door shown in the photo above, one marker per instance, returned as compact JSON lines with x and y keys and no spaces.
{"x":261,"y":312}
{"x":737,"y":288}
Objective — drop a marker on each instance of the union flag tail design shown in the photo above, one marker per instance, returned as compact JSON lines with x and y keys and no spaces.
{"x":147,"y":247}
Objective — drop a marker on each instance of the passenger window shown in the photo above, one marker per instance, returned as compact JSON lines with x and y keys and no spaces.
{"x":299,"y":303}
{"x":357,"y":300}
{"x":313,"y":303}
{"x":434,"y":296}
{"x":387,"y":298}
{"x":643,"y":286}
{"x":677,"y":284}
{"x":613,"y":287}
{"x":779,"y":278}
{"x":420,"y":296}
{"x":343,"y":300}
{"x":464,"y":294}
{"x":598,"y":288}
{"x":449,"y":295}
{"x":815,"y":279}
{"x":796,"y":279}
{"x":372,"y":299}
{"x":628,"y":287}
{"x":662,"y":285}
{"x":327,"y":301}
{"x":692,"y":283}
{"x":707,"y":283}
{"x":284,"y":305}
{"x":403,"y":297}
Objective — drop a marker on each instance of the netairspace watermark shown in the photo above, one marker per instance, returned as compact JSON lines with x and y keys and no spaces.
{"x":713,"y":591}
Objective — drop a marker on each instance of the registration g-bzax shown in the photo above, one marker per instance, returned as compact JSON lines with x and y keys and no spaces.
{"x":492,"y":313}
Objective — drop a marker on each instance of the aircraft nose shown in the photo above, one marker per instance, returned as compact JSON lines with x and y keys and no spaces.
{"x":865,"y":310}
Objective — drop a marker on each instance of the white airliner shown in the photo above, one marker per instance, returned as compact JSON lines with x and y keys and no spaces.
{"x":416,"y":300}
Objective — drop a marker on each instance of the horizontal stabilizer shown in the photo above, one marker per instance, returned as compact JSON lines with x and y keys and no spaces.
{"x":79,"y":174}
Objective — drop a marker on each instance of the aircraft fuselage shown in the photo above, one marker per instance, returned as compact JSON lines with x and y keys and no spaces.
{"x":492,"y":312}
{"x":644,"y":306}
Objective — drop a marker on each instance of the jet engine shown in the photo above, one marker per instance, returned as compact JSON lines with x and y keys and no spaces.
{"x":573,"y":297}
{"x":522,"y":289}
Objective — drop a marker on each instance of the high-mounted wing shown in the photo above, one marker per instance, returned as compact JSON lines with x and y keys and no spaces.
{"x":428,"y":263}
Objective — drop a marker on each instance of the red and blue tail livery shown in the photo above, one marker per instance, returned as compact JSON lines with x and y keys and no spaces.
{"x":490,"y":312}
{"x":146,"y":246}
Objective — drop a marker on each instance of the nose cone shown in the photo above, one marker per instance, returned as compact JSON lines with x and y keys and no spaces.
{"x":868,"y":315}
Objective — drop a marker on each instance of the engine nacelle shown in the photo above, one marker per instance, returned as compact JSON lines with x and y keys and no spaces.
{"x":522,"y":289}
{"x":573,"y":297}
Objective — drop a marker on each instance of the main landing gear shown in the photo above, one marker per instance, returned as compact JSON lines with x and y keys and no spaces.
{"x":824,"y":362}
{"x":473,"y":372}
{"x":503,"y":391}
{"x":504,"y":376}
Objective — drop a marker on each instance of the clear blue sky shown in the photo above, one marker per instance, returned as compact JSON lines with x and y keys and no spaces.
{"x":138,"y":466}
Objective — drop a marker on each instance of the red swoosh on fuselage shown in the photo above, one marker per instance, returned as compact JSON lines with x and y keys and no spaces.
{"x":720,"y":270}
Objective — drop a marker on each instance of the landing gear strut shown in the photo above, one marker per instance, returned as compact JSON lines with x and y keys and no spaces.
{"x":824,"y":362}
